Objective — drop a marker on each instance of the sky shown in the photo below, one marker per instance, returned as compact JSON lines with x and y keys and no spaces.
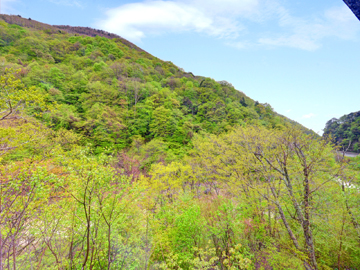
{"x":301,"y":57}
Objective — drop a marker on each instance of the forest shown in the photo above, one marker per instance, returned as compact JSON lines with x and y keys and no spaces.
{"x":345,"y":131}
{"x":111,"y":158}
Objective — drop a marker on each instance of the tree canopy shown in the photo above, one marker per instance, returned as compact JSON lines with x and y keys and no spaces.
{"x":345,"y":131}
{"x":111,"y":158}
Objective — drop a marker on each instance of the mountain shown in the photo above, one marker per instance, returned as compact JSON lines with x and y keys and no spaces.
{"x":111,"y":158}
{"x":345,"y":131}
{"x":117,"y":95}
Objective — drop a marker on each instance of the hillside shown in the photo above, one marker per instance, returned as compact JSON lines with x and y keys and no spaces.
{"x":345,"y":131}
{"x":117,"y":95}
{"x":87,"y":31}
{"x":111,"y":158}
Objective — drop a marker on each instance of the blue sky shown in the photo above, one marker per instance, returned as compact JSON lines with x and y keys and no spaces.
{"x":301,"y":57}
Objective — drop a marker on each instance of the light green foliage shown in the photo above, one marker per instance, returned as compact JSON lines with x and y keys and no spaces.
{"x":145,"y":166}
{"x":92,"y":202}
{"x":163,"y":123}
{"x":34,"y":48}
{"x":19,"y":134}
{"x":24,"y":190}
{"x":206,"y":259}
{"x":102,"y":201}
{"x":145,"y":95}
{"x":236,"y":260}
{"x":15,"y":97}
{"x":186,"y":230}
{"x":99,"y":66}
{"x":56,"y":77}
{"x":280,"y":166}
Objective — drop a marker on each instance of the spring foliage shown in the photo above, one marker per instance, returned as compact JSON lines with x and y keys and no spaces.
{"x":113,"y":93}
{"x":208,"y":179}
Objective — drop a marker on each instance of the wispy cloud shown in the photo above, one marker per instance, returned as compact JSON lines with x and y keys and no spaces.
{"x":308,"y":35}
{"x":230,"y":20}
{"x":239,"y":44}
{"x":6,"y":6}
{"x":227,"y":8}
{"x":69,"y":3}
{"x":307,"y":116}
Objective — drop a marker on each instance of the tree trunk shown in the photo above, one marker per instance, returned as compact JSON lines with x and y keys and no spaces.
{"x":286,"y":224}
{"x":87,"y":237}
{"x":109,"y":247}
{"x":1,"y":247}
{"x":14,"y":252}
{"x":306,"y":223}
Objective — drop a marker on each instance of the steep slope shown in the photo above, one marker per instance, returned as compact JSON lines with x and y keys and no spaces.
{"x":119,"y":96}
{"x":345,"y":131}
{"x":248,"y":194}
{"x":87,"y":31}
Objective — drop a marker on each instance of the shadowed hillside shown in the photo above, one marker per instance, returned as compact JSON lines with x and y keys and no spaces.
{"x":345,"y":131}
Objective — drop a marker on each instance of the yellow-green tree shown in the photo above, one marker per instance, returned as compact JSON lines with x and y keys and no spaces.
{"x":15,"y":97}
{"x":286,"y":169}
{"x":17,"y":130}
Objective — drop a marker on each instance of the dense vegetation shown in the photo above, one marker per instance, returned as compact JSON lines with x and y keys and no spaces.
{"x":118,"y":96}
{"x":113,"y":159}
{"x":345,"y":131}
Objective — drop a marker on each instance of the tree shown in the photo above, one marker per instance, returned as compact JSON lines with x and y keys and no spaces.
{"x":18,"y":130}
{"x":24,"y":189}
{"x":286,"y":168}
{"x":102,"y":210}
{"x":163,"y":123}
{"x":15,"y":97}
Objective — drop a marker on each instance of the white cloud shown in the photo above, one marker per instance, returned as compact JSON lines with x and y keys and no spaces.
{"x":307,"y":116}
{"x":135,"y":20}
{"x":227,"y":19}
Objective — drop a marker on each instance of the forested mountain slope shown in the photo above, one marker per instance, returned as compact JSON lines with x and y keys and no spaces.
{"x":345,"y":131}
{"x":116,"y":94}
{"x":111,"y":158}
{"x":18,"y":20}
